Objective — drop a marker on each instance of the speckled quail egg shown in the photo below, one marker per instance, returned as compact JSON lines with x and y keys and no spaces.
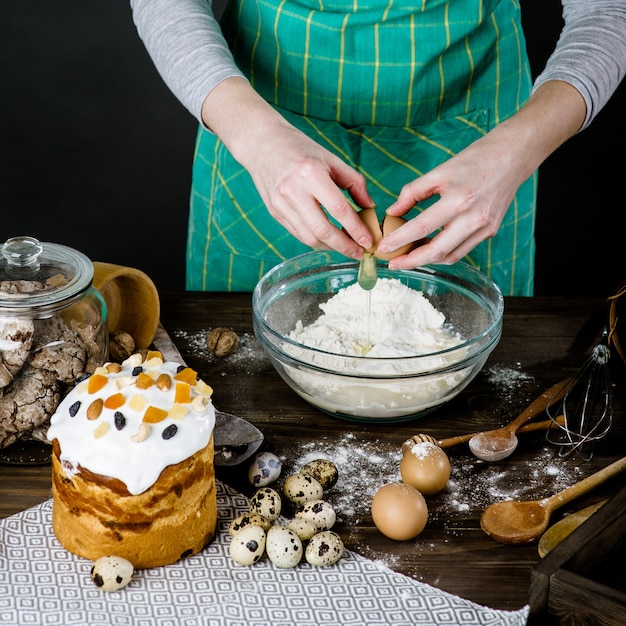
{"x":248,"y":545}
{"x":111,"y":573}
{"x":284,"y":548}
{"x":304,"y":528}
{"x":300,"y":488}
{"x":323,"y":470}
{"x":320,"y":512}
{"x":264,"y":469}
{"x":324,"y":549}
{"x":249,"y":519}
{"x":266,"y":502}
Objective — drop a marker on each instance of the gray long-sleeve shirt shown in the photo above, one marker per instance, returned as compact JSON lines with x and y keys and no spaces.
{"x":188,"y":49}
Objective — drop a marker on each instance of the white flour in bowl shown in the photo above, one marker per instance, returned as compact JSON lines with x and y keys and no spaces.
{"x":390,"y":320}
{"x":373,"y":351}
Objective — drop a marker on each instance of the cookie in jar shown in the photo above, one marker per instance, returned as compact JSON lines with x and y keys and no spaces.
{"x":53,"y":332}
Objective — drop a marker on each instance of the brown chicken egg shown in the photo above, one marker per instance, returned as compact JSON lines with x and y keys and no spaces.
{"x":426,"y":467}
{"x":399,"y":511}
{"x":380,"y":229}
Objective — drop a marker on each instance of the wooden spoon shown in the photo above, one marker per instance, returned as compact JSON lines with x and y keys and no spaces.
{"x":450,"y":442}
{"x":557,"y":532}
{"x":524,"y":522}
{"x":495,"y":445}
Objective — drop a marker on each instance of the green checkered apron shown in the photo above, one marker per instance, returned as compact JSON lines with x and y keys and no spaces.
{"x":394,"y":88}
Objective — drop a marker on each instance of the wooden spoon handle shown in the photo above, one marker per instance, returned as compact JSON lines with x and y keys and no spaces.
{"x":526,"y":428}
{"x":587,"y":484}
{"x":540,"y":404}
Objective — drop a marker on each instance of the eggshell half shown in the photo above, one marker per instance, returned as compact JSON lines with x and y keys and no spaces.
{"x":381,"y":229}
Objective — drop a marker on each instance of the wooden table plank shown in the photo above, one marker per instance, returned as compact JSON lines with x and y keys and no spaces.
{"x":544,"y":339}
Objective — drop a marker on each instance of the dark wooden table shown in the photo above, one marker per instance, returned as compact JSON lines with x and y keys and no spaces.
{"x":543,"y":341}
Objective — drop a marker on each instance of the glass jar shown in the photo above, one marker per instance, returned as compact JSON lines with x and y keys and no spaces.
{"x":53,"y":331}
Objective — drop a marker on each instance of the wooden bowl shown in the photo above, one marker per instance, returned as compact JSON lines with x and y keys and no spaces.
{"x":132,"y":301}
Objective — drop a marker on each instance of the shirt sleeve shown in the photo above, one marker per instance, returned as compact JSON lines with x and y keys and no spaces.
{"x":591,"y":51}
{"x":186,"y":45}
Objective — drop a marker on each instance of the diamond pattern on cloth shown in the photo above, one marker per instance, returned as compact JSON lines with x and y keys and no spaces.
{"x":43,"y":584}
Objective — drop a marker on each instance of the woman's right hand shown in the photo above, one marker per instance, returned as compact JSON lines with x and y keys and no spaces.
{"x":298,"y":180}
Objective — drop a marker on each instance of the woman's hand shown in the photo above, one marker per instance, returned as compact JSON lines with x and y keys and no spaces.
{"x":476,"y":186}
{"x":475,"y":189}
{"x":296,"y":178}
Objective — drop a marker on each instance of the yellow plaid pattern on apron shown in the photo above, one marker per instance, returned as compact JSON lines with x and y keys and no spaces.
{"x":392,"y":87}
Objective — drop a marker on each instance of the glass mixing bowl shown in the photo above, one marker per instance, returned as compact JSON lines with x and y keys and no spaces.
{"x":362,"y":387}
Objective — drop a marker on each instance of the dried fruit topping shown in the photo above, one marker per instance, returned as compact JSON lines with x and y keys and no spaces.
{"x":154,"y":355}
{"x":153,"y":415}
{"x":115,"y":401}
{"x":144,"y":381}
{"x":183,"y":393}
{"x":73,"y":410}
{"x":119,"y":419}
{"x":170,"y":431}
{"x":102,"y":430}
{"x":187,"y":375}
{"x":137,"y":403}
{"x":96,"y":382}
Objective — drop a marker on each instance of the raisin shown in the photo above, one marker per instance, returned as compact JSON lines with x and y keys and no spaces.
{"x":170,"y":431}
{"x":137,"y":370}
{"x":74,"y":408}
{"x":120,"y":420}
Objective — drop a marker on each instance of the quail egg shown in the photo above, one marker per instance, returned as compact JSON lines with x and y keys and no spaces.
{"x":284,"y":548}
{"x":320,"y":512}
{"x":324,"y":549}
{"x":249,"y":519}
{"x":323,"y":470}
{"x":266,"y":502}
{"x":248,"y":545}
{"x":111,"y":573}
{"x":304,"y":528}
{"x":300,"y":488}
{"x":264,"y":470}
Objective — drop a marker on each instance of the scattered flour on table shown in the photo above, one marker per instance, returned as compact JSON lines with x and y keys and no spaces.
{"x":248,"y":354}
{"x":507,"y":379}
{"x":365,"y":466}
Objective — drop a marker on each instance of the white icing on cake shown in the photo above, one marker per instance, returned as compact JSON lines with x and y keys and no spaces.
{"x":97,"y":444}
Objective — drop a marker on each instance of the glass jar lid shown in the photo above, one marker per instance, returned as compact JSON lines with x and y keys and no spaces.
{"x":40,"y":276}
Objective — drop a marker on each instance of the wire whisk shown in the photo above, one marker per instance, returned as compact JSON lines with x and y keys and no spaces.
{"x":586,"y":406}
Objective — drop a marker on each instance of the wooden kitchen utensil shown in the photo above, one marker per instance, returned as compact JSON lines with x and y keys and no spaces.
{"x":132,"y":301}
{"x":557,"y":532}
{"x":524,"y":522}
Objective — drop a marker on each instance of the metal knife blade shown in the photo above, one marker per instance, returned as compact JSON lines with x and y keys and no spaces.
{"x":235,"y":439}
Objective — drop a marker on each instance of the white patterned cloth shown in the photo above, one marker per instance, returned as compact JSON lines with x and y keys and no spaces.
{"x":43,"y":584}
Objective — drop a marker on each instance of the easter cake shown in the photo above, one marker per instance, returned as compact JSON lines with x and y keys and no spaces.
{"x":132,"y":463}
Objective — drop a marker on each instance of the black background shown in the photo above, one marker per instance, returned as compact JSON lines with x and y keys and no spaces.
{"x":96,"y":152}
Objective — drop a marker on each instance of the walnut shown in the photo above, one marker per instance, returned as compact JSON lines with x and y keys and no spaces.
{"x":222,"y":341}
{"x":121,"y":346}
